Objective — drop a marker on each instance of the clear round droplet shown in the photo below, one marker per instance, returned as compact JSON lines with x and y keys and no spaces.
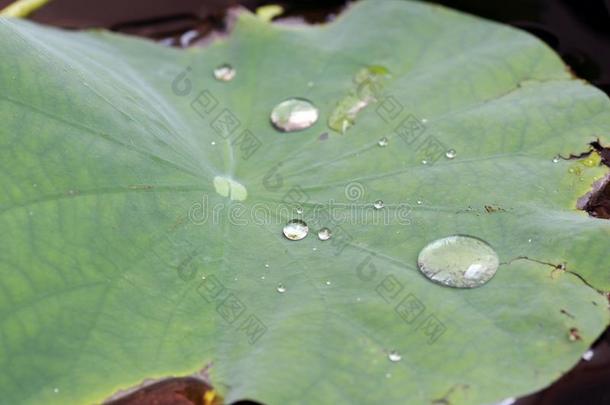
{"x":556,"y":159}
{"x":383,"y":142}
{"x":419,"y":202}
{"x":451,"y":154}
{"x":280,"y":288}
{"x":588,"y":355}
{"x":225,"y":72}
{"x":328,"y":282}
{"x":294,"y":114}
{"x":324,"y":234}
{"x":266,"y":265}
{"x":378,"y":204}
{"x":299,"y":210}
{"x":424,"y":162}
{"x":458,"y":261}
{"x":295,"y":229}
{"x":394,"y":356}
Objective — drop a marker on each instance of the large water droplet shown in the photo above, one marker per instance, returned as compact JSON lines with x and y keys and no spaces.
{"x":294,"y":114}
{"x":458,"y":261}
{"x":394,"y":356}
{"x":378,"y":204}
{"x":225,"y":72}
{"x":296,"y":229}
{"x":324,"y":234}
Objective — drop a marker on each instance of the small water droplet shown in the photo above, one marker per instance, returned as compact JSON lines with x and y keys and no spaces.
{"x":328,"y":282}
{"x":280,"y":288}
{"x":294,"y":114}
{"x":262,"y":277}
{"x":388,"y":375}
{"x":213,"y":143}
{"x":203,"y":277}
{"x":383,"y":142}
{"x":296,"y":229}
{"x":314,"y":249}
{"x":378,"y":204}
{"x":424,"y":120}
{"x":324,"y":234}
{"x":56,"y":390}
{"x":299,"y":210}
{"x":394,"y":356}
{"x":267,"y":265}
{"x":424,"y":162}
{"x":458,"y":261}
{"x":419,"y":202}
{"x":451,"y":154}
{"x":529,"y":241}
{"x":556,"y":159}
{"x":588,"y":355}
{"x":225,"y":72}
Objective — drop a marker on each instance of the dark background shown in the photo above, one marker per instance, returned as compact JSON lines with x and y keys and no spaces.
{"x":578,"y":30}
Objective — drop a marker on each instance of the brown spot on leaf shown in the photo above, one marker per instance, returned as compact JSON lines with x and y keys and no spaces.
{"x":170,"y":391}
{"x":574,"y":335}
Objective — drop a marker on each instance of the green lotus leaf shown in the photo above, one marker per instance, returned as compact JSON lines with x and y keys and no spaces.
{"x":143,"y":203}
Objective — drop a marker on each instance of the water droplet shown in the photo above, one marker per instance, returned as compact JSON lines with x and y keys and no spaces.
{"x":424,"y":120}
{"x":388,"y":375}
{"x":424,"y":162}
{"x":294,"y":114}
{"x":296,"y":229}
{"x":262,"y":277}
{"x":419,"y":202}
{"x":213,"y":143}
{"x":394,"y":356}
{"x":458,"y":261}
{"x":299,"y":210}
{"x":328,"y":282}
{"x":451,"y":154}
{"x":314,"y":249}
{"x":378,"y":204}
{"x":383,"y":142}
{"x":267,"y":265}
{"x":588,"y":355}
{"x":280,"y":288}
{"x":324,"y":234}
{"x":529,"y":241}
{"x":225,"y":72}
{"x":556,"y":159}
{"x":56,"y":390}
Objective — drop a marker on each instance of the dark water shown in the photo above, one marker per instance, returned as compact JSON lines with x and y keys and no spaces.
{"x":578,"y":30}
